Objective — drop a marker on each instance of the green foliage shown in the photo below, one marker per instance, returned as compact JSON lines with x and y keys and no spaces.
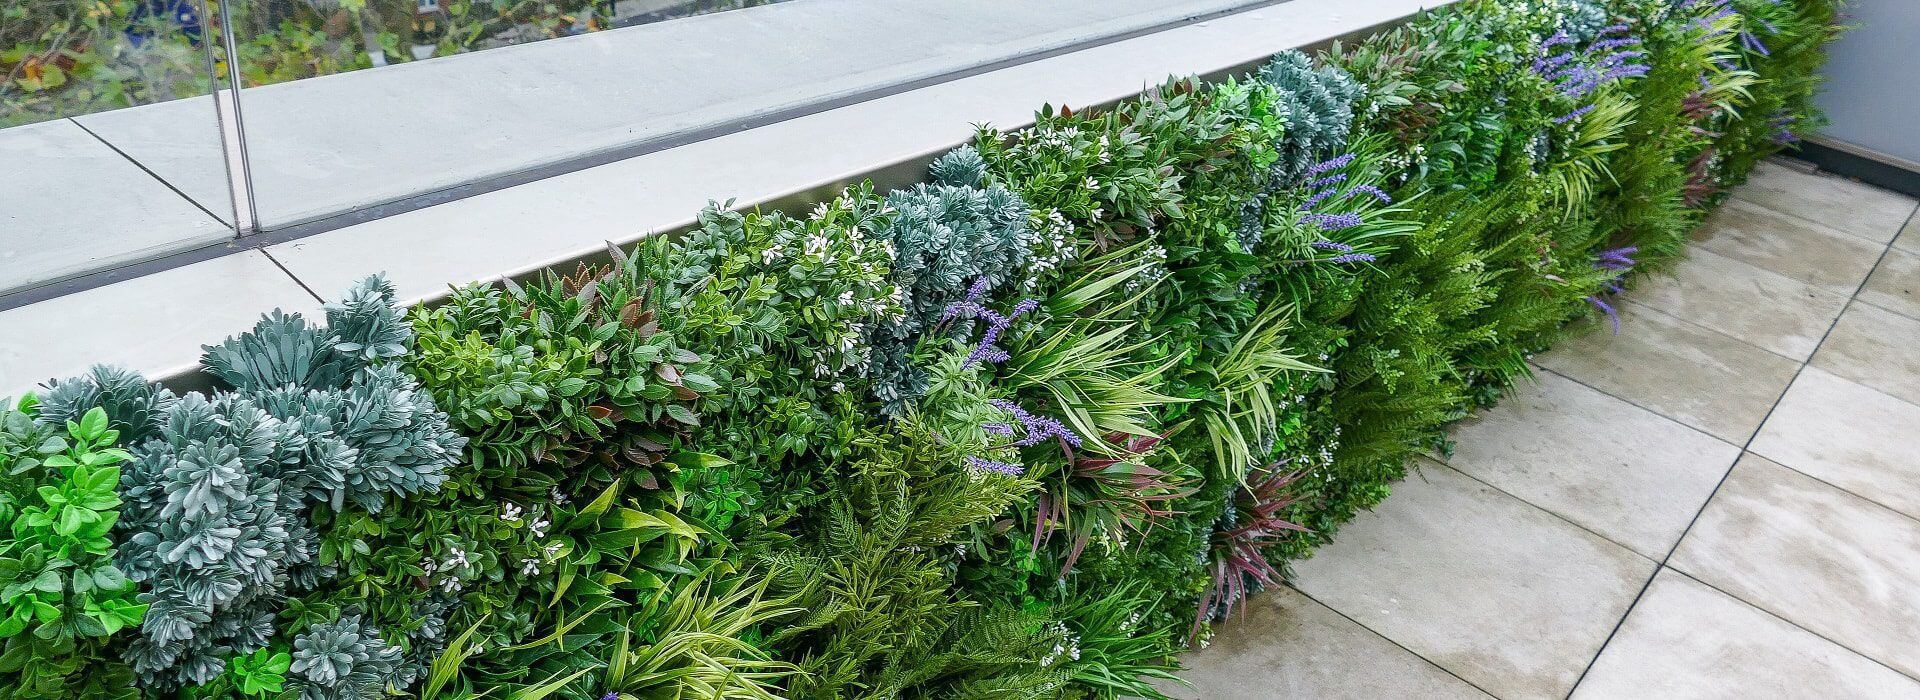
{"x":1022,"y":431}
{"x":62,"y":595}
{"x":945,"y":238}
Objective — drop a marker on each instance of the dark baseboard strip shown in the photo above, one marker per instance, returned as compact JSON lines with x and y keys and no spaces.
{"x":1851,"y":162}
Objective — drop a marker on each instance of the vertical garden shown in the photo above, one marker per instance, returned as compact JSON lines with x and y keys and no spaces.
{"x":1027,"y":429}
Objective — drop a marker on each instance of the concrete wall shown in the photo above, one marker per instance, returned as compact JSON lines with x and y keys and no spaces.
{"x":1873,"y":79}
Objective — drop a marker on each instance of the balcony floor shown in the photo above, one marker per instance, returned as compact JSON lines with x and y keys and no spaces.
{"x":1721,"y":500}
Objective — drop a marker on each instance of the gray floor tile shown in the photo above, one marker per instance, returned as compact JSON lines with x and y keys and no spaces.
{"x":1895,"y":284}
{"x":1288,"y":646}
{"x":1847,"y":435}
{"x":1687,"y":640}
{"x":1789,"y":245}
{"x":1766,"y":309}
{"x":1821,"y":558}
{"x":1862,"y":210}
{"x":1877,"y":348}
{"x":1614,"y":468}
{"x":1497,"y":592}
{"x":1676,"y":369}
{"x":1909,"y":239}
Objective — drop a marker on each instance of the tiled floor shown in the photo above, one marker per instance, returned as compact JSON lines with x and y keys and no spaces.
{"x":1723,"y":500}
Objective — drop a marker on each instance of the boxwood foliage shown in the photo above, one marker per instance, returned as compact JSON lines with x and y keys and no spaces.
{"x":1025,"y":430}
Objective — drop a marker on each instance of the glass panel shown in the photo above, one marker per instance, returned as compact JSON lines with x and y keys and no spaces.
{"x":109,"y":138}
{"x":408,"y":123}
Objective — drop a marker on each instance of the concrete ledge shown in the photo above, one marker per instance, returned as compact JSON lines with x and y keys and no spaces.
{"x":74,"y":206}
{"x":156,"y":324}
{"x":526,"y":228}
{"x":326,"y":146}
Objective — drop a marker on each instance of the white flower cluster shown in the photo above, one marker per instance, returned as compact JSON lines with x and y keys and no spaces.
{"x":1049,"y":244}
{"x":1068,"y":646}
{"x":1155,"y":264}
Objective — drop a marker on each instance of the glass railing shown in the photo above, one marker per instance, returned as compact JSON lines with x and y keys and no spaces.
{"x":158,"y":132}
{"x":74,"y":198}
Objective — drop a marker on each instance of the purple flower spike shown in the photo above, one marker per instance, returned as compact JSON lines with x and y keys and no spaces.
{"x":997,"y":324}
{"x":988,"y":465}
{"x":1330,"y":164}
{"x":1753,"y":43}
{"x":1039,"y":428}
{"x":1610,"y":44}
{"x":1319,"y":197}
{"x":1575,"y":114}
{"x":1557,"y":39}
{"x":1351,"y":258}
{"x":1333,"y":179}
{"x":1333,"y":245}
{"x":1605,"y":308}
{"x":1371,"y":190}
{"x":1334,"y":222}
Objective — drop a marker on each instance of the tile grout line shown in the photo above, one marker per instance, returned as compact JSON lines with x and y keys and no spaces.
{"x":1769,"y":613}
{"x":1631,"y":402}
{"x":1744,"y":451}
{"x":1389,"y":640}
{"x":1556,"y":516}
{"x":1797,"y":217}
{"x":296,"y":280}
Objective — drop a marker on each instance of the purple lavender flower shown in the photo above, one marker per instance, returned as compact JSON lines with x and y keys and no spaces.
{"x":1375,"y":191}
{"x":1754,"y":44}
{"x":1334,"y":222}
{"x":1351,"y":258}
{"x":1332,"y":245}
{"x":1617,"y":258}
{"x":1558,"y":38}
{"x":1612,"y":29}
{"x":972,"y":305}
{"x":1614,"y":43}
{"x":1575,"y":114}
{"x":988,"y":465}
{"x":1782,"y":124}
{"x":1329,"y":180}
{"x":1039,"y":428}
{"x":1318,"y":197}
{"x":1330,"y":164}
{"x":1613,"y":315}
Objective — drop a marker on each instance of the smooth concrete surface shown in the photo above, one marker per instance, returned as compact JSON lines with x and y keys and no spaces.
{"x":1763,"y":308}
{"x":332,"y":144}
{"x":1895,"y":283}
{"x":1686,"y":640}
{"x":73,"y":206}
{"x":1860,"y":210}
{"x":561,"y":218}
{"x":1619,"y":470}
{"x":1872,"y":450}
{"x":1819,"y":557}
{"x":1803,"y":250}
{"x":1870,"y":347}
{"x":1795,"y":576}
{"x":1490,"y":588}
{"x":1286,"y":645}
{"x":154,"y":324}
{"x":1677,"y":369}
